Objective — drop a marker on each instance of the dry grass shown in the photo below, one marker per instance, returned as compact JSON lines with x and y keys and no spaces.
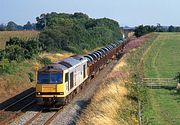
{"x":6,"y":35}
{"x":54,"y":57}
{"x":13,"y":84}
{"x":108,"y":103}
{"x":104,"y":106}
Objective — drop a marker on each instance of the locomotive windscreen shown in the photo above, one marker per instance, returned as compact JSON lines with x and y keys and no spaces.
{"x":49,"y":78}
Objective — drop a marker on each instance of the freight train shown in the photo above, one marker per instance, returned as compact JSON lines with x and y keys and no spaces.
{"x":57,"y":83}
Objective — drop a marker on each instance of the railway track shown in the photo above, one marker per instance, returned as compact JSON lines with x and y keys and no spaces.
{"x":50,"y":117}
{"x":13,"y":110}
{"x":40,"y":116}
{"x":53,"y":117}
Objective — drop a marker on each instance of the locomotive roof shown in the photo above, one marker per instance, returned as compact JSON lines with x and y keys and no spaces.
{"x":64,"y":64}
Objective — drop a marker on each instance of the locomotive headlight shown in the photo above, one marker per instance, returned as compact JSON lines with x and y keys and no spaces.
{"x":38,"y":93}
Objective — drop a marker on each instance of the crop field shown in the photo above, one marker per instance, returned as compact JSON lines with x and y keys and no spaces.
{"x":162,"y":60}
{"x":6,"y":35}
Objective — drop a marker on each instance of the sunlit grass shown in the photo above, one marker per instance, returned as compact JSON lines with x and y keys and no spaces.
{"x":6,"y":35}
{"x":54,"y":57}
{"x":162,"y":60}
{"x":163,"y":107}
{"x":108,"y":104}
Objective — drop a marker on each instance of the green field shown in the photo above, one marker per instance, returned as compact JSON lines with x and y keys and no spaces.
{"x":6,"y":35}
{"x":162,"y":60}
{"x":163,"y":107}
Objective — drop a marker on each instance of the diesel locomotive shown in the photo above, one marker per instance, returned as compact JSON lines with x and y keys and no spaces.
{"x":57,"y":83}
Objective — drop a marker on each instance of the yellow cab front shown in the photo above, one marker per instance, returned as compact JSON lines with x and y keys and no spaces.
{"x":50,"y":85}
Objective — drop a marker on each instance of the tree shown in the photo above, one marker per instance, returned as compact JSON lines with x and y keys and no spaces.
{"x":28,"y":26}
{"x":33,"y":26}
{"x":159,"y":28}
{"x":142,"y":30}
{"x":19,"y":27}
{"x":2,"y":27}
{"x":75,"y":32}
{"x":139,"y":31}
{"x":11,"y":26}
{"x":41,"y":22}
{"x":171,"y":29}
{"x":177,"y":29}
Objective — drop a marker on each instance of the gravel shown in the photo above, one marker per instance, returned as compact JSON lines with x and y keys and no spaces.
{"x":25,"y":117}
{"x":43,"y":118}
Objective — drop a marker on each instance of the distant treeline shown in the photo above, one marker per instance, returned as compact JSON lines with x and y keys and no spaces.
{"x":142,"y":30}
{"x":12,"y":26}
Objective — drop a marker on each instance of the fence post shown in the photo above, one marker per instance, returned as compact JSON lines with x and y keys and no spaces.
{"x":139,"y":112}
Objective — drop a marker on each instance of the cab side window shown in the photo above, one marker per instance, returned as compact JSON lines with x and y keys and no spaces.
{"x":67,"y":79}
{"x":84,"y":71}
{"x":71,"y":79}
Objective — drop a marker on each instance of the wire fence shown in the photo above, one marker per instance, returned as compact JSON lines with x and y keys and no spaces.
{"x":159,"y":82}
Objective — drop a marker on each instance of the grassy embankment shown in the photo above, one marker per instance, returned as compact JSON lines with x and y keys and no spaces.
{"x":162,"y":60}
{"x":110,"y":104}
{"x":116,"y":100}
{"x":18,"y":80}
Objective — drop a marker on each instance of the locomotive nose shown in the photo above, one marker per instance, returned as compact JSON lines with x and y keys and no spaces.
{"x":46,"y":88}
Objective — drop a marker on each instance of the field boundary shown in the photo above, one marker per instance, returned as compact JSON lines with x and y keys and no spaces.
{"x":159,"y":82}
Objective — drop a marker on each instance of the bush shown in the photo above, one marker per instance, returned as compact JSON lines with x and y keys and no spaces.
{"x":32,"y":47}
{"x":15,"y":41}
{"x":2,"y":54}
{"x":14,"y":52}
{"x":31,"y":76}
{"x":7,"y":67}
{"x":45,"y":61}
{"x":17,"y":49}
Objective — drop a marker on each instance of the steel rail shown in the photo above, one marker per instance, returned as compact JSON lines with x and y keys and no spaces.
{"x":16,"y":102}
{"x":17,"y":113}
{"x":53,"y":116}
{"x":34,"y":117}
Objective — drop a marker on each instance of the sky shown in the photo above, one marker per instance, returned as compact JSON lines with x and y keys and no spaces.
{"x":126,"y":12}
